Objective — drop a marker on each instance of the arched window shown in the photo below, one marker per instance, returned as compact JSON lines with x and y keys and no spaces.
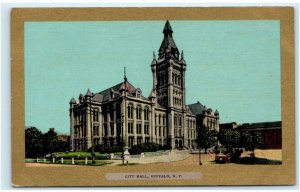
{"x":130,"y":111}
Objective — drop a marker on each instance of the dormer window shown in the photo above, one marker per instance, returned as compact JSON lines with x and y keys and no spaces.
{"x":138,"y":93}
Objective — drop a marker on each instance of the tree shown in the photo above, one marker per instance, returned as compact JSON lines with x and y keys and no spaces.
{"x":50,"y":142}
{"x":207,"y":138}
{"x":63,"y":146}
{"x":229,"y":138}
{"x":33,"y":142}
{"x":251,"y":141}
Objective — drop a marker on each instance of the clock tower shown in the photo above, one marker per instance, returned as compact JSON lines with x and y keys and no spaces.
{"x":169,"y":83}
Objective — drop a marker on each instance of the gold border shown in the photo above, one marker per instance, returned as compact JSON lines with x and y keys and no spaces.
{"x":222,"y":175}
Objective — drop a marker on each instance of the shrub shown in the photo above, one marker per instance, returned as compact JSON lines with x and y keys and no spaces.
{"x":106,"y":149}
{"x":147,"y":147}
{"x":136,"y":149}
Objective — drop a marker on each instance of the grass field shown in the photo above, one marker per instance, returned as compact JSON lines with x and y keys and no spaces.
{"x":88,"y":154}
{"x":83,"y":154}
{"x":69,"y":162}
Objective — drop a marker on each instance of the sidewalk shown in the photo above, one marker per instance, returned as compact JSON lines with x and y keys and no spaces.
{"x":174,"y":155}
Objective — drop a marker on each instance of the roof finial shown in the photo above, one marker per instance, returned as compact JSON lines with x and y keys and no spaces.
{"x":154,"y":57}
{"x":182,"y":55}
{"x":125,"y":78}
{"x":168,"y":28}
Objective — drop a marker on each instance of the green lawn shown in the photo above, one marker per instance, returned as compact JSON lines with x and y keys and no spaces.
{"x":69,"y":162}
{"x":83,"y":154}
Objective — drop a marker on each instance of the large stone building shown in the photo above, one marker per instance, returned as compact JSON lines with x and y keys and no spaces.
{"x":123,"y":113}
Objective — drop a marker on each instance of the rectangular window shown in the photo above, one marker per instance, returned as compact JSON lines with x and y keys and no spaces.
{"x":147,"y":140}
{"x":105,"y":129}
{"x":179,"y":120}
{"x":138,"y":128}
{"x":112,"y":129}
{"x":146,"y":129}
{"x":130,"y":127}
{"x":138,"y":113}
{"x":131,"y":139}
{"x":175,"y":120}
{"x":96,"y":130}
{"x":146,"y":114}
{"x":95,"y":115}
{"x":130,"y":111}
{"x":139,"y":140}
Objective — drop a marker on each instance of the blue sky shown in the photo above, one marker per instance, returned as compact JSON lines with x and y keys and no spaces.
{"x":232,"y":66}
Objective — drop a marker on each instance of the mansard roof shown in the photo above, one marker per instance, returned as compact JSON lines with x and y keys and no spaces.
{"x":104,"y":95}
{"x":98,"y":97}
{"x":197,"y":108}
{"x":189,"y":111}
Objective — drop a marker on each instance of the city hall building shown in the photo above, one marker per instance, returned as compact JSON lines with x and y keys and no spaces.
{"x":122,"y":113}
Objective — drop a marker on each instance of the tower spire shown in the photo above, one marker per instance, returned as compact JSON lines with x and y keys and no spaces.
{"x":168,"y":28}
{"x":154,"y":57}
{"x":182,"y":61}
{"x":125,"y":78}
{"x":168,"y":47}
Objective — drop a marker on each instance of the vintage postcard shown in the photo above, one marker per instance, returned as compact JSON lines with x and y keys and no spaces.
{"x":153,"y":96}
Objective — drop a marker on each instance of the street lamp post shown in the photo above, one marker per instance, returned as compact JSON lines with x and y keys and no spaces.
{"x":200,"y":163}
{"x":198,"y":142}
